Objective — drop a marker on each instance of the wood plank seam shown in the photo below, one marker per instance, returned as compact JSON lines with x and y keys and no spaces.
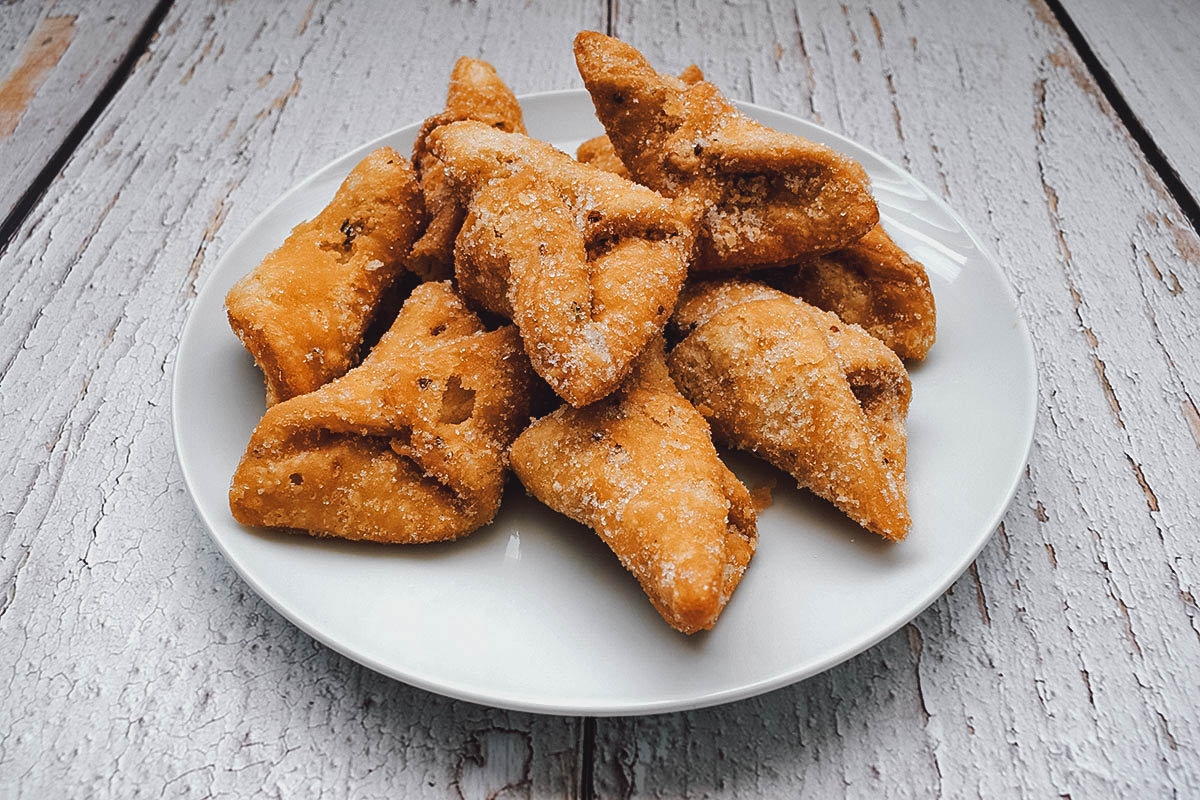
{"x":586,"y":788}
{"x":43,"y":50}
{"x":1145,"y":142}
{"x":29,"y":198}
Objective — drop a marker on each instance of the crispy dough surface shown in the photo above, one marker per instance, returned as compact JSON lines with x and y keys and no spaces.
{"x":813,"y":395}
{"x":767,"y":198}
{"x":640,"y":469}
{"x":872,"y":283}
{"x":302,"y":312}
{"x":599,"y":151}
{"x":410,"y":446}
{"x":587,"y":264}
{"x":476,"y":92}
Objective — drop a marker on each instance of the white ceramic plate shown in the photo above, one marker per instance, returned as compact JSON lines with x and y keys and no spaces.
{"x":533,"y":612}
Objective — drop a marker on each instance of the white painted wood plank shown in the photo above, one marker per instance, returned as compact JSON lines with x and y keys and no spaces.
{"x":140,"y":658}
{"x":1063,"y":662}
{"x":135,"y":662}
{"x":57,"y":56}
{"x":1150,"y":51}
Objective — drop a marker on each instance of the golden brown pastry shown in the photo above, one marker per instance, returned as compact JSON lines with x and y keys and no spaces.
{"x":640,"y":469}
{"x":767,"y":198}
{"x":410,"y":446}
{"x":587,"y":264}
{"x":476,"y":92}
{"x":599,"y":152}
{"x":302,"y":312}
{"x":811,"y":394}
{"x":872,"y":283}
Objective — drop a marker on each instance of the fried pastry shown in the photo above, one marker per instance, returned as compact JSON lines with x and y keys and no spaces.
{"x":302,"y":312}
{"x":640,"y":469}
{"x":599,"y":152}
{"x":587,"y":264}
{"x":813,"y":395}
{"x":410,"y":446}
{"x":767,"y":198}
{"x":476,"y":92}
{"x":872,"y":283}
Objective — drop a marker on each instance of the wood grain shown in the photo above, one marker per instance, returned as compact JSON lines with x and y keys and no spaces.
{"x":1060,"y":663}
{"x":1149,"y":51}
{"x":135,"y":662}
{"x":58,"y":57}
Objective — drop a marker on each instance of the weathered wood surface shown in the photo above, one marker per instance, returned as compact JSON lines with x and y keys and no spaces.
{"x":57,"y":56}
{"x":135,"y":661}
{"x":1063,"y":663}
{"x":1150,"y":52}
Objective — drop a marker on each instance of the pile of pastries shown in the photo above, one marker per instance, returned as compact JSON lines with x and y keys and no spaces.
{"x":594,"y":323}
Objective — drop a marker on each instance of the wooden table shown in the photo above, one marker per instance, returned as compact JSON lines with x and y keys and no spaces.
{"x":137,"y":139}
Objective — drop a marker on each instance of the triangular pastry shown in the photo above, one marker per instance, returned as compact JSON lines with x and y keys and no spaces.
{"x":872,"y":283}
{"x":640,"y":469}
{"x":599,"y":152}
{"x":302,"y":312}
{"x":476,"y":92}
{"x":813,"y":395}
{"x":587,"y":264}
{"x":767,"y":198}
{"x":410,"y":446}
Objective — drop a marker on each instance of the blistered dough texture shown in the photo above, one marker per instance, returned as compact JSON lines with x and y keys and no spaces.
{"x":599,"y":151}
{"x":477,"y":93}
{"x":872,"y":283}
{"x":817,"y":397}
{"x":766,"y":198}
{"x":587,"y":264}
{"x":640,"y":469}
{"x":410,"y":446}
{"x":302,"y":312}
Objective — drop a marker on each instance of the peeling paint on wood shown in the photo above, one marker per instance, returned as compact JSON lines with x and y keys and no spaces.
{"x":55,"y":58}
{"x":1058,"y":665}
{"x":41,"y":53}
{"x":135,"y":661}
{"x":1151,"y":56}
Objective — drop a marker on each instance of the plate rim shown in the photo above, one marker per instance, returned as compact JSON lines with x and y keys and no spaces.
{"x":512,"y":702}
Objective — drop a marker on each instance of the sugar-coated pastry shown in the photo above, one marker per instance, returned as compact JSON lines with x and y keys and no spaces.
{"x":476,"y":92}
{"x":410,"y":446}
{"x":599,"y":152}
{"x":767,"y":198}
{"x":815,"y":396}
{"x":872,"y":283}
{"x":302,"y":312}
{"x":587,"y":264}
{"x":640,"y":469}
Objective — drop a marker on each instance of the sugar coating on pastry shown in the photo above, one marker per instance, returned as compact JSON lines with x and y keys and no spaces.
{"x":303,"y":310}
{"x":872,"y":283}
{"x":815,"y":396}
{"x":599,"y":151}
{"x":410,"y":446}
{"x":587,"y":264}
{"x":640,"y":469}
{"x":476,"y":92}
{"x":767,"y":198}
